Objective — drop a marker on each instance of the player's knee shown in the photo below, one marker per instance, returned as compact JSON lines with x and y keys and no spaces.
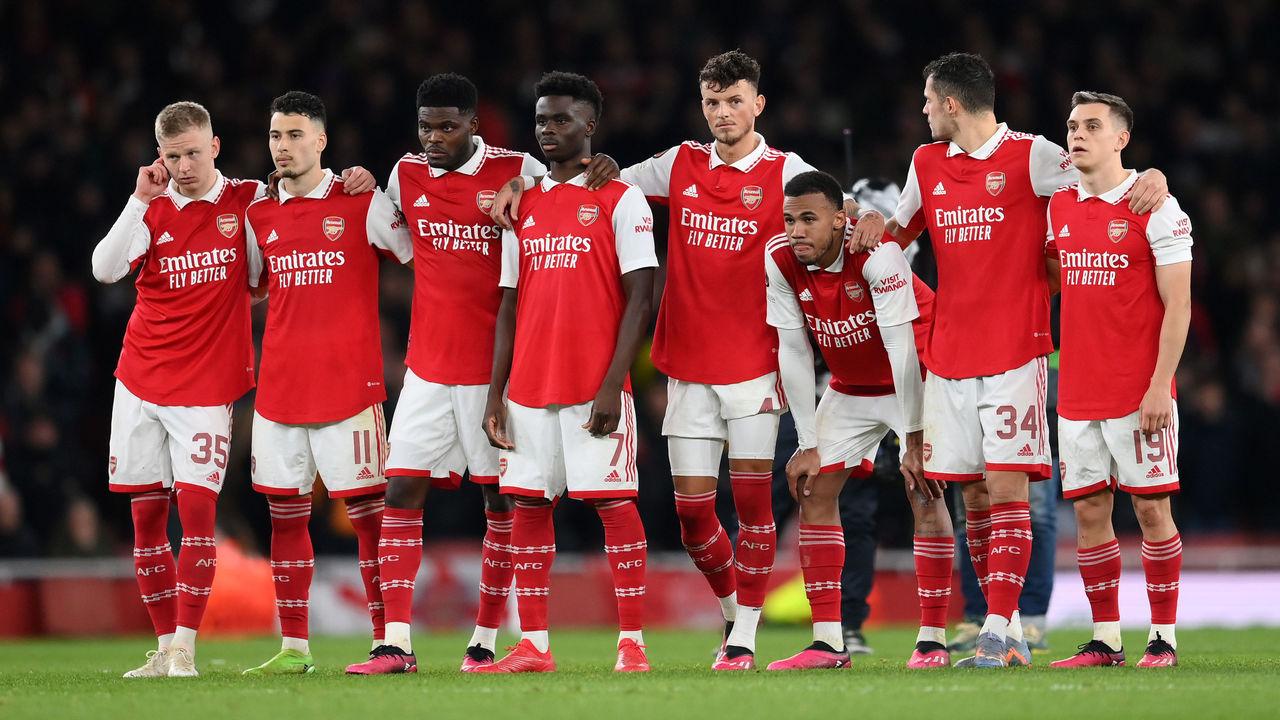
{"x":1152,"y":511}
{"x":405,"y":493}
{"x":494,"y":500}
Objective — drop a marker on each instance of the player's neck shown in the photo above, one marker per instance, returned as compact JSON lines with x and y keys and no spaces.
{"x":745,"y":145}
{"x":1104,"y":178}
{"x":303,"y":184}
{"x":829,"y":257}
{"x":566,"y":170}
{"x":973,"y":131}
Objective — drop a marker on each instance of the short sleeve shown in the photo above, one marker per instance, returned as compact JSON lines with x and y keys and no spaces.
{"x":387,"y":228}
{"x":793,"y":166}
{"x":633,"y":232}
{"x":393,"y":185}
{"x":1169,"y":233}
{"x":782,"y":309}
{"x":532,"y":167}
{"x":510,"y":260}
{"x":892,"y":292}
{"x":253,"y":253}
{"x":1050,"y":167}
{"x":653,"y":176}
{"x":910,"y":203}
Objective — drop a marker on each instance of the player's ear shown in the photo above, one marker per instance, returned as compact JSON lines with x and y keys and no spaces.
{"x":840,"y":220}
{"x":475,"y":124}
{"x":322,"y":141}
{"x":1122,"y":140}
{"x":591,"y":127}
{"x":759,"y":104}
{"x":215,"y":147}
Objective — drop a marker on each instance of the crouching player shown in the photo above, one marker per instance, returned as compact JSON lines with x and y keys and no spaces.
{"x":1126,"y":306}
{"x":861,"y":308}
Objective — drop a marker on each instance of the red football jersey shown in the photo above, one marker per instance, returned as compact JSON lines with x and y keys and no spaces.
{"x":1111,"y":307}
{"x":457,"y":258}
{"x":711,"y":325}
{"x":189,"y":340}
{"x":985,"y":215}
{"x":844,"y":305}
{"x":322,"y":349}
{"x":566,"y":259}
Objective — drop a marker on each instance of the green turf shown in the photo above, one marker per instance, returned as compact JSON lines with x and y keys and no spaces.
{"x":1224,"y":674}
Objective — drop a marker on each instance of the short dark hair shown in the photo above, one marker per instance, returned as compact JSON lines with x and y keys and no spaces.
{"x":448,"y":90}
{"x":1120,"y":109}
{"x":728,"y":68}
{"x":965,"y":77}
{"x":296,"y":102}
{"x":578,"y":87}
{"x":815,"y":182}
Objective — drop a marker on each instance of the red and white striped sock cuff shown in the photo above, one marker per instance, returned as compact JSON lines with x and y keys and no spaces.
{"x":821,"y":535}
{"x":1164,"y":549}
{"x":284,"y":508}
{"x":364,"y":508}
{"x":1098,"y":554}
{"x":940,"y":548}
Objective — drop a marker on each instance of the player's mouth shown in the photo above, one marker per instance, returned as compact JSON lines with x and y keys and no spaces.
{"x":548,"y":146}
{"x":1078,"y":150}
{"x":283,"y":160}
{"x":436,"y":153}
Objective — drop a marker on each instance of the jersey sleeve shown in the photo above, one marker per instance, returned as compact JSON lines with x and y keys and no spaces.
{"x":633,"y":232}
{"x":910,"y":211}
{"x":892,"y":293}
{"x":510,"y":274}
{"x":387,"y":228}
{"x":252,"y":254}
{"x":128,"y":240}
{"x":1169,"y":233}
{"x":782,"y":309}
{"x":1050,"y":240}
{"x":1050,"y":167}
{"x":653,"y":176}
{"x":793,"y":166}
{"x":532,"y":166}
{"x":393,"y":185}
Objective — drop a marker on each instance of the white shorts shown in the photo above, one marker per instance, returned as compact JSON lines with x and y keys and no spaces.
{"x":554,"y":454}
{"x":437,"y":433}
{"x":350,"y":455}
{"x":850,"y":428}
{"x":1098,"y":454}
{"x":995,"y":422}
{"x":697,"y":410}
{"x":159,"y":446}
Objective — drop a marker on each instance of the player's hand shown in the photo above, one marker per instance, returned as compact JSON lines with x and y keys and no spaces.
{"x":273,"y":185}
{"x":600,"y":170}
{"x":1149,"y":192}
{"x":506,"y":204}
{"x":868,"y":231}
{"x":153,"y":179}
{"x":1156,"y":411}
{"x":913,"y":469}
{"x":357,"y":181}
{"x":495,"y":425}
{"x":802,"y":469}
{"x":606,"y":411}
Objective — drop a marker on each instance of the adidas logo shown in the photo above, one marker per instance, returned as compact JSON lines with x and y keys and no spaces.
{"x":1064,"y":232}
{"x":1155,"y":473}
{"x":164,"y":239}
{"x":272,"y":237}
{"x":212,"y":478}
{"x":691,"y":191}
{"x":613,"y":477}
{"x":1025,"y":451}
{"x":364,"y":474}
{"x":421,"y":201}
{"x":806,"y":296}
{"x":939,"y":190}
{"x":528,"y":223}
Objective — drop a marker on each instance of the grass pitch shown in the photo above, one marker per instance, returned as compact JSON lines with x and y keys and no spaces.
{"x":1224,"y":674}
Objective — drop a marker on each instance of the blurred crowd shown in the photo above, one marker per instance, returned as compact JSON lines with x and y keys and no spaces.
{"x":83,"y":81}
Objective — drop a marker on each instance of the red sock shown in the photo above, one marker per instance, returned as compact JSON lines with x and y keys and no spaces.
{"x":495,"y":568}
{"x":399,"y":556}
{"x":533,"y":544}
{"x":977,"y":528}
{"x":757,"y":535}
{"x":293,"y":562}
{"x":1008,"y":556}
{"x":1162,"y":563}
{"x":365,"y":513}
{"x":625,"y":547}
{"x":706,"y":541}
{"x":821,"y":558}
{"x":198,"y":559}
{"x":153,"y":559}
{"x":1100,"y":571}
{"x":934,"y":557}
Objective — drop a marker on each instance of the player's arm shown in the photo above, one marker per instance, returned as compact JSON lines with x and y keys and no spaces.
{"x":253,"y":261}
{"x":906,"y":224}
{"x":1169,"y":233}
{"x":129,"y":238}
{"x":504,"y":336}
{"x":795,"y":371}
{"x":1052,"y":263}
{"x":893,"y":295}
{"x":388,"y":230}
{"x":606,"y":408}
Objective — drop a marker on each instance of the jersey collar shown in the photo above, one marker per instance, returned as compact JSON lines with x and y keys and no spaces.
{"x":745,"y":163}
{"x":319,"y":191}
{"x":578,"y":180}
{"x":473,"y":163}
{"x":1112,"y":196}
{"x":987,"y":148}
{"x":212,"y":196}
